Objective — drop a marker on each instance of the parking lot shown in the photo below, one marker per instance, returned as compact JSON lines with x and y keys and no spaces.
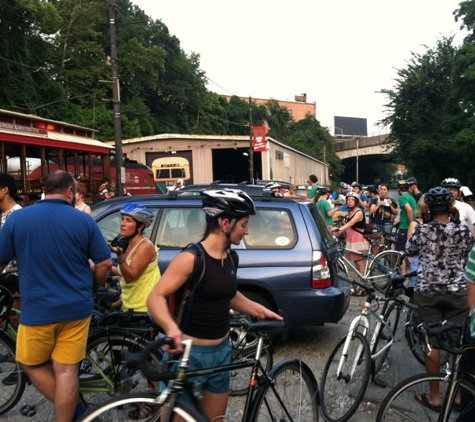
{"x":312,"y":345}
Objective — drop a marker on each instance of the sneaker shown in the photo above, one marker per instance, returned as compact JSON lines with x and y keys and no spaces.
{"x":11,"y":379}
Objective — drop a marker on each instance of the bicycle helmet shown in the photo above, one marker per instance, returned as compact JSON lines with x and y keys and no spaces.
{"x":357,"y":185}
{"x":451,"y":182}
{"x":353,"y":195}
{"x":343,"y":185}
{"x":138,"y":212}
{"x":227,"y":202}
{"x":438,"y":197}
{"x":372,"y":189}
{"x":272,"y":185}
{"x":411,"y":181}
{"x":403,"y":185}
{"x":324,"y":191}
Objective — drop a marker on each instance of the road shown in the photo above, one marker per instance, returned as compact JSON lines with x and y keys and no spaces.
{"x":311,"y":344}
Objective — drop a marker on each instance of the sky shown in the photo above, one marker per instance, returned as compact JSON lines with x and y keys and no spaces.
{"x":341,"y":53}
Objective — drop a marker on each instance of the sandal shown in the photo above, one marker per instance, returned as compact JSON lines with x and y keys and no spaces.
{"x":142,"y":411}
{"x":422,"y":399}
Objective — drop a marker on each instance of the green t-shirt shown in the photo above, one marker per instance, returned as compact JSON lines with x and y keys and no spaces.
{"x":324,"y":207}
{"x":312,"y":193}
{"x":404,"y":199}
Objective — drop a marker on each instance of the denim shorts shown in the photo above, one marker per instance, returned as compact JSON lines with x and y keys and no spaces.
{"x":202,"y":357}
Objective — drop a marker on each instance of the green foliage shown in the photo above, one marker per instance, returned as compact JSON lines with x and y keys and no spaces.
{"x":55,"y":61}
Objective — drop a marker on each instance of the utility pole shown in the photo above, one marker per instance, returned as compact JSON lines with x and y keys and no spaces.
{"x":251,"y":150}
{"x":116,"y":101}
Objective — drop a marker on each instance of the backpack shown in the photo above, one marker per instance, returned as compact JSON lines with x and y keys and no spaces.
{"x":178,"y":301}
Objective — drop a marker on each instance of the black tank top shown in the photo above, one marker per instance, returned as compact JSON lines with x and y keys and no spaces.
{"x":208,"y":308}
{"x":360,"y":224}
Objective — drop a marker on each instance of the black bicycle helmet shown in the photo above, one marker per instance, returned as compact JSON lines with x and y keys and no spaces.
{"x":411,"y":181}
{"x":438,"y":197}
{"x":357,"y":185}
{"x":138,"y":212}
{"x":324,"y":190}
{"x":372,"y":189}
{"x":451,"y":182}
{"x":227,"y":202}
{"x":403,"y":185}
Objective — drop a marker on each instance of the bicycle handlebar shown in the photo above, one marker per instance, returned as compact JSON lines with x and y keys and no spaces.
{"x":439,"y":331}
{"x":160,"y":371}
{"x":153,"y":372}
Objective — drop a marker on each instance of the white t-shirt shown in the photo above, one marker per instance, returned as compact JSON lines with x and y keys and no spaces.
{"x":5,"y":215}
{"x":467,"y":214}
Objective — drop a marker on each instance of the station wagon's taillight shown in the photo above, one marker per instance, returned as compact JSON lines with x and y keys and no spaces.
{"x":320,"y":271}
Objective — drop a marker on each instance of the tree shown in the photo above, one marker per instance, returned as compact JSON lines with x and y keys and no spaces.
{"x":424,"y":115}
{"x":310,"y":137}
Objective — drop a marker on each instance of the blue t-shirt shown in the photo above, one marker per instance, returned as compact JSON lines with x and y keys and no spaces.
{"x":52,"y":242}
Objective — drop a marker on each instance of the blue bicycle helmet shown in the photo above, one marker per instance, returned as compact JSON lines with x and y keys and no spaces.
{"x":438,"y":197}
{"x":138,"y":212}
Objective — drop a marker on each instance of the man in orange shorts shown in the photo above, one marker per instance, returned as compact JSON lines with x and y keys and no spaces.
{"x":53,"y":243}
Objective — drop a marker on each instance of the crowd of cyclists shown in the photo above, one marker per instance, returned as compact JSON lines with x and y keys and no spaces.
{"x":435,"y":229}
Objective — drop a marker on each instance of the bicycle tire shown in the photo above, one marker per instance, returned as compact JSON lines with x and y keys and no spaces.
{"x":11,"y":387}
{"x":384,"y":263}
{"x":400,"y":403}
{"x":340,"y":394}
{"x":417,"y":344}
{"x":239,"y":379}
{"x":292,"y":394}
{"x":102,"y":373}
{"x":119,"y":408}
{"x":386,"y":334}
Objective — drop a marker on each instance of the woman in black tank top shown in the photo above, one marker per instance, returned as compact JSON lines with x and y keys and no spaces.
{"x":354,"y":228}
{"x":227,"y":215}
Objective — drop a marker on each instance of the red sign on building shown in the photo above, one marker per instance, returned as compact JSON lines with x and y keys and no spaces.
{"x":259,"y":138}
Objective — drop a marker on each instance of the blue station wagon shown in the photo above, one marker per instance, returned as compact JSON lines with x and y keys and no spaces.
{"x":288,"y":262}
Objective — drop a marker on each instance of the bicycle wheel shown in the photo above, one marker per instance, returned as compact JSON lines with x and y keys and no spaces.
{"x":292,"y":396}
{"x":384,"y":263}
{"x":417,"y":343}
{"x":242,"y":352}
{"x":123,"y":408}
{"x":381,"y":347}
{"x":342,"y":390}
{"x":400,"y":403}
{"x":12,"y":378}
{"x":102,"y":373}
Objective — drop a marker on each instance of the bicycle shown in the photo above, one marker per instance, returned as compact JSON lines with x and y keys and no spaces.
{"x":288,"y":392}
{"x":356,"y":356}
{"x":377,"y":267}
{"x":416,"y":340}
{"x":10,"y":391}
{"x":401,"y":405}
{"x":102,"y":373}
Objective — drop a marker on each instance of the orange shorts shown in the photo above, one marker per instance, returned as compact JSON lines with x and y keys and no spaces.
{"x":65,"y":342}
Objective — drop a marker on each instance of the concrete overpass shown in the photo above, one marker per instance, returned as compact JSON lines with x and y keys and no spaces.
{"x":357,"y":147}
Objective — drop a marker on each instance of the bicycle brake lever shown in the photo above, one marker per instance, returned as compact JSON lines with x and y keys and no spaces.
{"x":421,"y":328}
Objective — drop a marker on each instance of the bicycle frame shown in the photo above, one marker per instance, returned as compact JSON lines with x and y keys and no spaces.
{"x":369,"y":259}
{"x":171,"y":393}
{"x":362,"y":321}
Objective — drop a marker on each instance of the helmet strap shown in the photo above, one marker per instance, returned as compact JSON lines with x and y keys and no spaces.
{"x":232,"y":222}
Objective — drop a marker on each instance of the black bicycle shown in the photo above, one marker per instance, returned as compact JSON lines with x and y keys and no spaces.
{"x":289,"y":392}
{"x":407,"y":401}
